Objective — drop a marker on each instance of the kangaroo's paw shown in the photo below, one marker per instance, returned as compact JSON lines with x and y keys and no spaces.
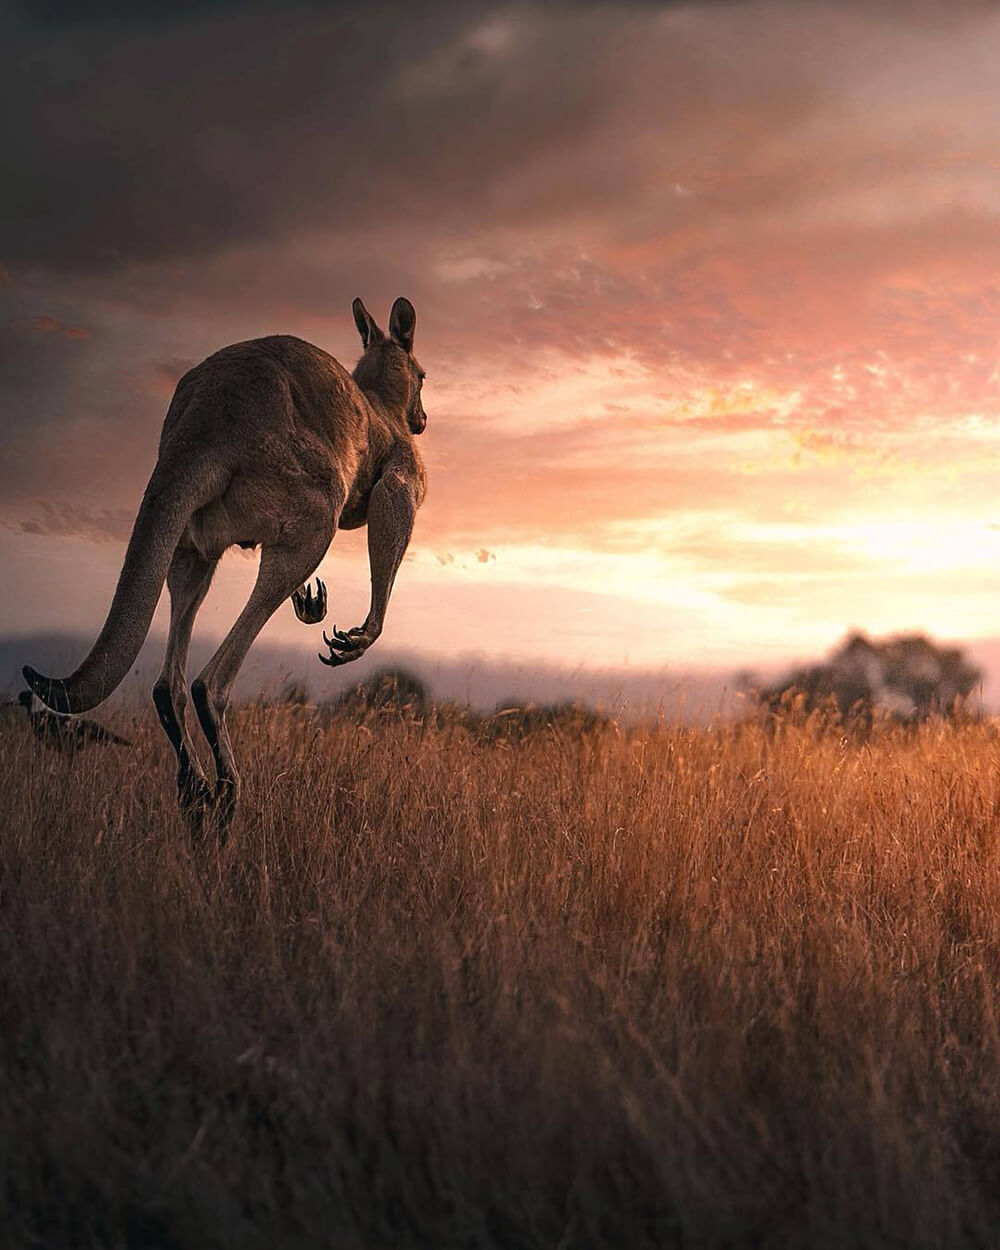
{"x":347,"y":645}
{"x":310,"y":608}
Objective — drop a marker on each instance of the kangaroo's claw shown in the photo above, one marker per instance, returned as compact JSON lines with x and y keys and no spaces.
{"x":310,"y":608}
{"x":346,"y":645}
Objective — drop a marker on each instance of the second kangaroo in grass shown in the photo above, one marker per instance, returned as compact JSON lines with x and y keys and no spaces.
{"x":270,"y":444}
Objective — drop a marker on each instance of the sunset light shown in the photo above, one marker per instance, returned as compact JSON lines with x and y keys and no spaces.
{"x":500,"y":624}
{"x":707,"y":296}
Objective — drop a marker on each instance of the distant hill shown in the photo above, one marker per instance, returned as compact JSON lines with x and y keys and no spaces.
{"x":694,"y":696}
{"x":476,"y":680}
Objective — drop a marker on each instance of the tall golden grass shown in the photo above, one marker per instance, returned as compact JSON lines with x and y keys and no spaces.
{"x":601,"y":988}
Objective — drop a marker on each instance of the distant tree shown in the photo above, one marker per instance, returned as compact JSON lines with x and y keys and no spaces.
{"x":907,"y":676}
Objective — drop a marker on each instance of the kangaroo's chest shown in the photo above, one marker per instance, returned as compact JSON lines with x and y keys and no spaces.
{"x":367,"y":469}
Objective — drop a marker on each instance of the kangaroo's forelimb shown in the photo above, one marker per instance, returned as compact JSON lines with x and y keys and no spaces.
{"x":392,"y":509}
{"x":310,"y":608}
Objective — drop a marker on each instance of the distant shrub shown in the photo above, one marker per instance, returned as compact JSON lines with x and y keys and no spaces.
{"x":522,"y":719}
{"x":397,"y":693}
{"x":906,"y":677}
{"x":387,"y":692}
{"x":294,"y":694}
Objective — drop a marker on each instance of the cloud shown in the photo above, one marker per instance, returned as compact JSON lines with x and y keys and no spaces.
{"x":666,"y":259}
{"x":175,"y":139}
{"x":46,"y":324}
{"x":62,"y":520}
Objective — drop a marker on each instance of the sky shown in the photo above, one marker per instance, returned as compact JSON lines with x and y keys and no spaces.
{"x":708,"y":297}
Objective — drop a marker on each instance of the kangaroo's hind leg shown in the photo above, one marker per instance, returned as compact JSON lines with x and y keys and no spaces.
{"x":188,"y":580}
{"x":282,"y":570}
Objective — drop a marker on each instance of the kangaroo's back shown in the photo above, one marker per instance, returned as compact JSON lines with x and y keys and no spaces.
{"x":240,"y":399}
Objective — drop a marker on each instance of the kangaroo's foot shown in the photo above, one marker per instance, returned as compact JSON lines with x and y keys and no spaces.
{"x":348,"y":645}
{"x":206,"y":808}
{"x":310,"y":608}
{"x":221,"y":803}
{"x":192,"y":790}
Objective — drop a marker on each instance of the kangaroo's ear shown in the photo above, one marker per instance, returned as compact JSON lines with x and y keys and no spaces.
{"x":365,"y":322}
{"x":402,"y":323}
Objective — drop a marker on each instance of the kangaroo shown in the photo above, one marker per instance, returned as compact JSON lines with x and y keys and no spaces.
{"x":271,"y":444}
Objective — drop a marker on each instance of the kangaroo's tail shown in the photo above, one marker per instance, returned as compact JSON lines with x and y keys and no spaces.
{"x":166,"y":507}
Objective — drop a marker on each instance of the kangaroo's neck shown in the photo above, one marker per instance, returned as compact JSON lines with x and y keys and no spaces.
{"x":389,"y":434}
{"x":387,"y":406}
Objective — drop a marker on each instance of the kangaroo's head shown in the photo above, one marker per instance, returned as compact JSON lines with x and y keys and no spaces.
{"x":388,"y":366}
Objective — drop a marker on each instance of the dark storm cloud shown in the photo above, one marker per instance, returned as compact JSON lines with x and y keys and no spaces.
{"x":138,"y":142}
{"x":139,"y":134}
{"x":141,"y":140}
{"x":134,"y":136}
{"x":127,"y":12}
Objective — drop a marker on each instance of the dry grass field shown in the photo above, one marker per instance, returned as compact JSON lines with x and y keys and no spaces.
{"x":587,"y":988}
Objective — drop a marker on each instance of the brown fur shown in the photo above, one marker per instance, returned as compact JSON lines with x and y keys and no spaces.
{"x":270,"y":444}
